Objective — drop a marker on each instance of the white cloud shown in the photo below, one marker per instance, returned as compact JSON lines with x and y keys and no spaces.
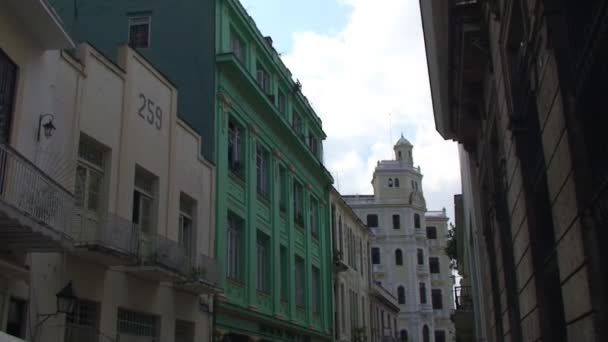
{"x":374,"y":66}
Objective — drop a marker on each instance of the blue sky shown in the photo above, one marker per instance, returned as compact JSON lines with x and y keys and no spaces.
{"x":281,"y":18}
{"x":362,"y":65}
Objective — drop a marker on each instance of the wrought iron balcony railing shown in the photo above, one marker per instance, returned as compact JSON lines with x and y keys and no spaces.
{"x":463,"y":298}
{"x":108,"y":233}
{"x":33,"y":199}
{"x":163,"y":252}
{"x":205,"y":269}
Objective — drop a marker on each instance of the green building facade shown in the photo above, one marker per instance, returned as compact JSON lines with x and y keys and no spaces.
{"x":272,"y":217}
{"x":272,"y":193}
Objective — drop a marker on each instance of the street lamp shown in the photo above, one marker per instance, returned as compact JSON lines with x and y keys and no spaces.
{"x":66,"y":303}
{"x":47,"y":127}
{"x":66,"y":299}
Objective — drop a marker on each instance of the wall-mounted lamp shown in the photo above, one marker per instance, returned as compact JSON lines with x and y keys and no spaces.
{"x":66,"y":303}
{"x":46,"y":127}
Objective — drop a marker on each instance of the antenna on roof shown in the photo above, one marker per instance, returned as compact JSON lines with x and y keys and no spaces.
{"x":390,"y":130}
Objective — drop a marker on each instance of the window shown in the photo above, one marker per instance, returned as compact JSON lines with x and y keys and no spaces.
{"x":263,"y":263}
{"x":398,"y":257}
{"x":420,"y":255}
{"x":185,"y":225}
{"x":341,"y":241}
{"x":403,"y":335}
{"x":372,"y":220}
{"x":416,"y":221}
{"x":263,"y":78}
{"x":314,"y":217}
{"x":375,"y":255}
{"x":298,"y":204}
{"x":83,"y":322}
{"x":16,"y":317}
{"x":139,"y":32}
{"x":343,"y":306}
{"x":237,"y":45}
{"x":300,"y":282}
{"x":184,"y":331}
{"x":282,"y":103}
{"x":390,"y":182}
{"x":434,"y":265}
{"x":284,"y":274}
{"x":143,"y":200}
{"x":262,"y":171}
{"x":316,"y":291}
{"x":436,"y":299}
{"x":396,"y":222}
{"x":396,"y":182}
{"x":422,"y":289}
{"x":297,"y":125}
{"x":137,"y":326}
{"x":313,"y":144}
{"x":425,"y":334}
{"x":283,"y":195}
{"x":399,"y":155}
{"x":89,"y":179}
{"x":234,"y":250}
{"x":440,"y":336}
{"x":8,"y":84}
{"x":235,"y":149}
{"x":401,"y":294}
{"x":431,"y":233}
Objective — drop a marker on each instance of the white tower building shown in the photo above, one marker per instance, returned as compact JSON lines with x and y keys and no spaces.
{"x":401,"y":250}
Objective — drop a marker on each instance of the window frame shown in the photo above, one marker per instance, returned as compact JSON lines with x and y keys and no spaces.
{"x":263,"y":263}
{"x":396,"y":221}
{"x":375,"y":217}
{"x":262,"y":167}
{"x":431,"y":232}
{"x":376,"y":256}
{"x":434,"y":265}
{"x":236,"y":141}
{"x":131,"y":23}
{"x":234,"y":242}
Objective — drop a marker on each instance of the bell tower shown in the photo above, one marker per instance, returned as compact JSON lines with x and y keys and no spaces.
{"x":403,"y":151}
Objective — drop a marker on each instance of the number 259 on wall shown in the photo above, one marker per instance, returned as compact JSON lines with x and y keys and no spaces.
{"x":150,"y":112}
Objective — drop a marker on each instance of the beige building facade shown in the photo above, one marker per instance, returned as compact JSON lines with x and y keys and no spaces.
{"x":120,"y":202}
{"x":351,"y":245}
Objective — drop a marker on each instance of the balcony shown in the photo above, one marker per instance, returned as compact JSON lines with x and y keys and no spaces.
{"x":35,"y":211}
{"x":110,"y":240}
{"x":462,"y":296}
{"x":160,"y":259}
{"x":339,"y":263}
{"x":73,"y":333}
{"x":426,"y":308}
{"x":420,"y":233}
{"x":202,"y":278}
{"x":422,"y":269}
{"x":378,"y":271}
{"x":463,"y":316}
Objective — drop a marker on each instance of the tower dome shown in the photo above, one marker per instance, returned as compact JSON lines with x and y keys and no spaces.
{"x":403,"y":150}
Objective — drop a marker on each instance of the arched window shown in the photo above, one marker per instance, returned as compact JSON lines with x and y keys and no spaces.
{"x":399,"y":155}
{"x":398,"y":257}
{"x":403,"y":335}
{"x":401,"y":294}
{"x":390,"y":182}
{"x":396,"y":182}
{"x":416,"y":221}
{"x":425,"y":334}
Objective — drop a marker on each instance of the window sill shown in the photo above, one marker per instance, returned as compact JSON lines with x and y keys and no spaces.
{"x":237,"y":177}
{"x":236,"y":282}
{"x":264,"y":198}
{"x":264,"y":293}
